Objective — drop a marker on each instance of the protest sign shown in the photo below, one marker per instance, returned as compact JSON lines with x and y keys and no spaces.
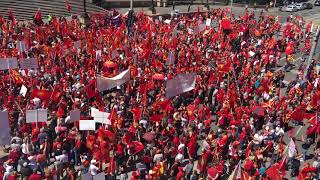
{"x":87,"y":125}
{"x":23,"y":91}
{"x":5,"y":136}
{"x":30,"y":63}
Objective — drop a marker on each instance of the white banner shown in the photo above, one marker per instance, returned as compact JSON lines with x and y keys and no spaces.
{"x":104,"y":83}
{"x":40,"y":115}
{"x":30,"y":63}
{"x":180,"y":84}
{"x":85,"y":125}
{"x":23,"y":91}
{"x":8,"y":63}
{"x":4,"y":128}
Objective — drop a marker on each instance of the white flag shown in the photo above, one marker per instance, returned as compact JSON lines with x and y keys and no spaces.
{"x":23,"y":91}
{"x":104,"y":83}
{"x":4,"y":128}
{"x":98,"y":54}
{"x":85,"y":125}
{"x":291,"y":149}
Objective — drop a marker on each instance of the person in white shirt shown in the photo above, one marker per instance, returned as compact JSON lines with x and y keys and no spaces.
{"x":93,"y":169}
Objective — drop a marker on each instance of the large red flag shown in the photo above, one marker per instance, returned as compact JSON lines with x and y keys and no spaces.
{"x":41,"y":94}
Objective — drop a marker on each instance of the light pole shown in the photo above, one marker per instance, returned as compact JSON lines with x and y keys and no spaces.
{"x":131,"y":4}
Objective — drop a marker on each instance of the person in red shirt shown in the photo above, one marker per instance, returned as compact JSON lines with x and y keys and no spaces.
{"x":180,"y":174}
{"x":35,"y":176}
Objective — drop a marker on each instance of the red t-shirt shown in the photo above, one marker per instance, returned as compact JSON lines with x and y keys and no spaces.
{"x":35,"y":177}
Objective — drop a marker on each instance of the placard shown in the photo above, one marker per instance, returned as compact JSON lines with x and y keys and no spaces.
{"x":87,"y":125}
{"x":30,"y":63}
{"x":42,"y":115}
{"x":23,"y":91}
{"x":4,"y":128}
{"x":102,"y":117}
{"x":31,"y":116}
{"x":208,"y":22}
{"x":77,"y":44}
{"x":74,"y":115}
{"x":114,"y":54}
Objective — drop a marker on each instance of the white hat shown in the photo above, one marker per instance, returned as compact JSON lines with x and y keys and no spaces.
{"x":93,"y":161}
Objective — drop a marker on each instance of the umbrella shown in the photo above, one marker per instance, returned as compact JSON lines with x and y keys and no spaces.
{"x":212,"y":172}
{"x":158,"y":76}
{"x":109,"y":64}
{"x":258,"y":110}
{"x":148,"y":136}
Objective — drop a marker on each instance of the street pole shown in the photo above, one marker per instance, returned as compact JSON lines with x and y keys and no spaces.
{"x":314,"y":46}
{"x":131,"y":4}
{"x":231,"y":6}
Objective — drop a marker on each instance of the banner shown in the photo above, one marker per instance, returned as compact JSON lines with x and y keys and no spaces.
{"x":37,"y":115}
{"x":87,"y":125}
{"x":4,"y":128}
{"x":8,"y":63}
{"x":180,"y":84}
{"x":104,"y":83}
{"x":30,"y":63}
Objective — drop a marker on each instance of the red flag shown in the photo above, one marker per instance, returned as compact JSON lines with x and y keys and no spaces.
{"x":91,"y":91}
{"x":37,"y":15}
{"x":211,"y":77}
{"x":137,"y":112}
{"x":225,"y":68}
{"x":156,"y":117}
{"x":11,"y":17}
{"x":113,"y":116}
{"x":298,"y":114}
{"x":273,"y":173}
{"x":41,"y":94}
{"x":56,"y":94}
{"x":68,"y":7}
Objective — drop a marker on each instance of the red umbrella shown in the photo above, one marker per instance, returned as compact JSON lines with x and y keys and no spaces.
{"x":139,"y":146}
{"x":212,"y":172}
{"x":158,"y":76}
{"x":109,"y":64}
{"x":148,"y":136}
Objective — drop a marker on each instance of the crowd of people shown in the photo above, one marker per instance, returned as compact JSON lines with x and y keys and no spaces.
{"x":231,"y":125}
